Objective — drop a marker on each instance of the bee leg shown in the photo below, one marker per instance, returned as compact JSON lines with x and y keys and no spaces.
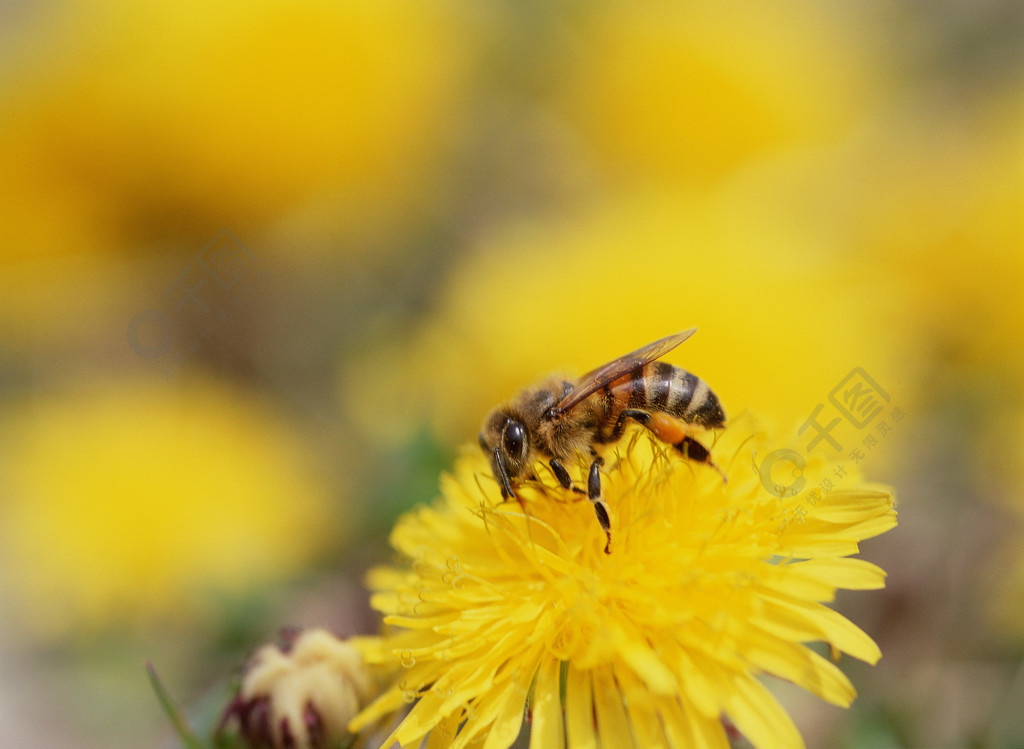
{"x":560,"y":473}
{"x":669,"y":429}
{"x":693,"y":450}
{"x":640,"y":417}
{"x":594,"y":495}
{"x":564,"y":479}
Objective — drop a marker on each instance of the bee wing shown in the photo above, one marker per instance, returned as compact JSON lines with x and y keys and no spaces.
{"x":598,"y":378}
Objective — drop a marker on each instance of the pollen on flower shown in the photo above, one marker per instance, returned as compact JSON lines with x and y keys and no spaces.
{"x":506,"y":610}
{"x":304,"y":693}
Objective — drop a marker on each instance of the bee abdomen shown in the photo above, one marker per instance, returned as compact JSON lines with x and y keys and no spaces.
{"x":660,"y":387}
{"x":683,"y":395}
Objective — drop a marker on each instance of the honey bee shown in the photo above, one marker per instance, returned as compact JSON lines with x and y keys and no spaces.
{"x":557,"y":420}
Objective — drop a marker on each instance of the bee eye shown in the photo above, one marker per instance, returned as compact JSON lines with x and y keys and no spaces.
{"x":513,"y":439}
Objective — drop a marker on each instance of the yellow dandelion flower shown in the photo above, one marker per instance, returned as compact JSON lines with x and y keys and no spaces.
{"x":505,"y":611}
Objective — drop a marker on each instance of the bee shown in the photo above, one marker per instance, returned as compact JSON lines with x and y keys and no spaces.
{"x":557,"y":420}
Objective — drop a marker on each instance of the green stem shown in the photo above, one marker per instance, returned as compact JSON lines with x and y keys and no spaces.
{"x":188,"y":738}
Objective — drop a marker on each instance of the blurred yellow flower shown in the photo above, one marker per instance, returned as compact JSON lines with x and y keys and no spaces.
{"x":685,"y":91}
{"x":134,"y":121}
{"x":137,"y":501}
{"x":964,"y":268}
{"x":501,"y":609}
{"x":135,"y":128}
{"x":926,"y":209}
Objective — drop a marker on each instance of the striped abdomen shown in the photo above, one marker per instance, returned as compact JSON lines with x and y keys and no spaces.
{"x":655,"y":387}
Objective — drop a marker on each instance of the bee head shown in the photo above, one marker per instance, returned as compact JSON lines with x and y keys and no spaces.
{"x":507,"y":441}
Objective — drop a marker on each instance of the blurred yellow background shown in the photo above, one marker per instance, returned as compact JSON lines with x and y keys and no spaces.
{"x":265,"y":266}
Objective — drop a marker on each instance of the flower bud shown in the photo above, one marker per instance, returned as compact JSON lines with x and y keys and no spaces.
{"x":302,"y":694}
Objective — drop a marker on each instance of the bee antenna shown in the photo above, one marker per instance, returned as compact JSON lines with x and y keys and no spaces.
{"x":499,"y":470}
